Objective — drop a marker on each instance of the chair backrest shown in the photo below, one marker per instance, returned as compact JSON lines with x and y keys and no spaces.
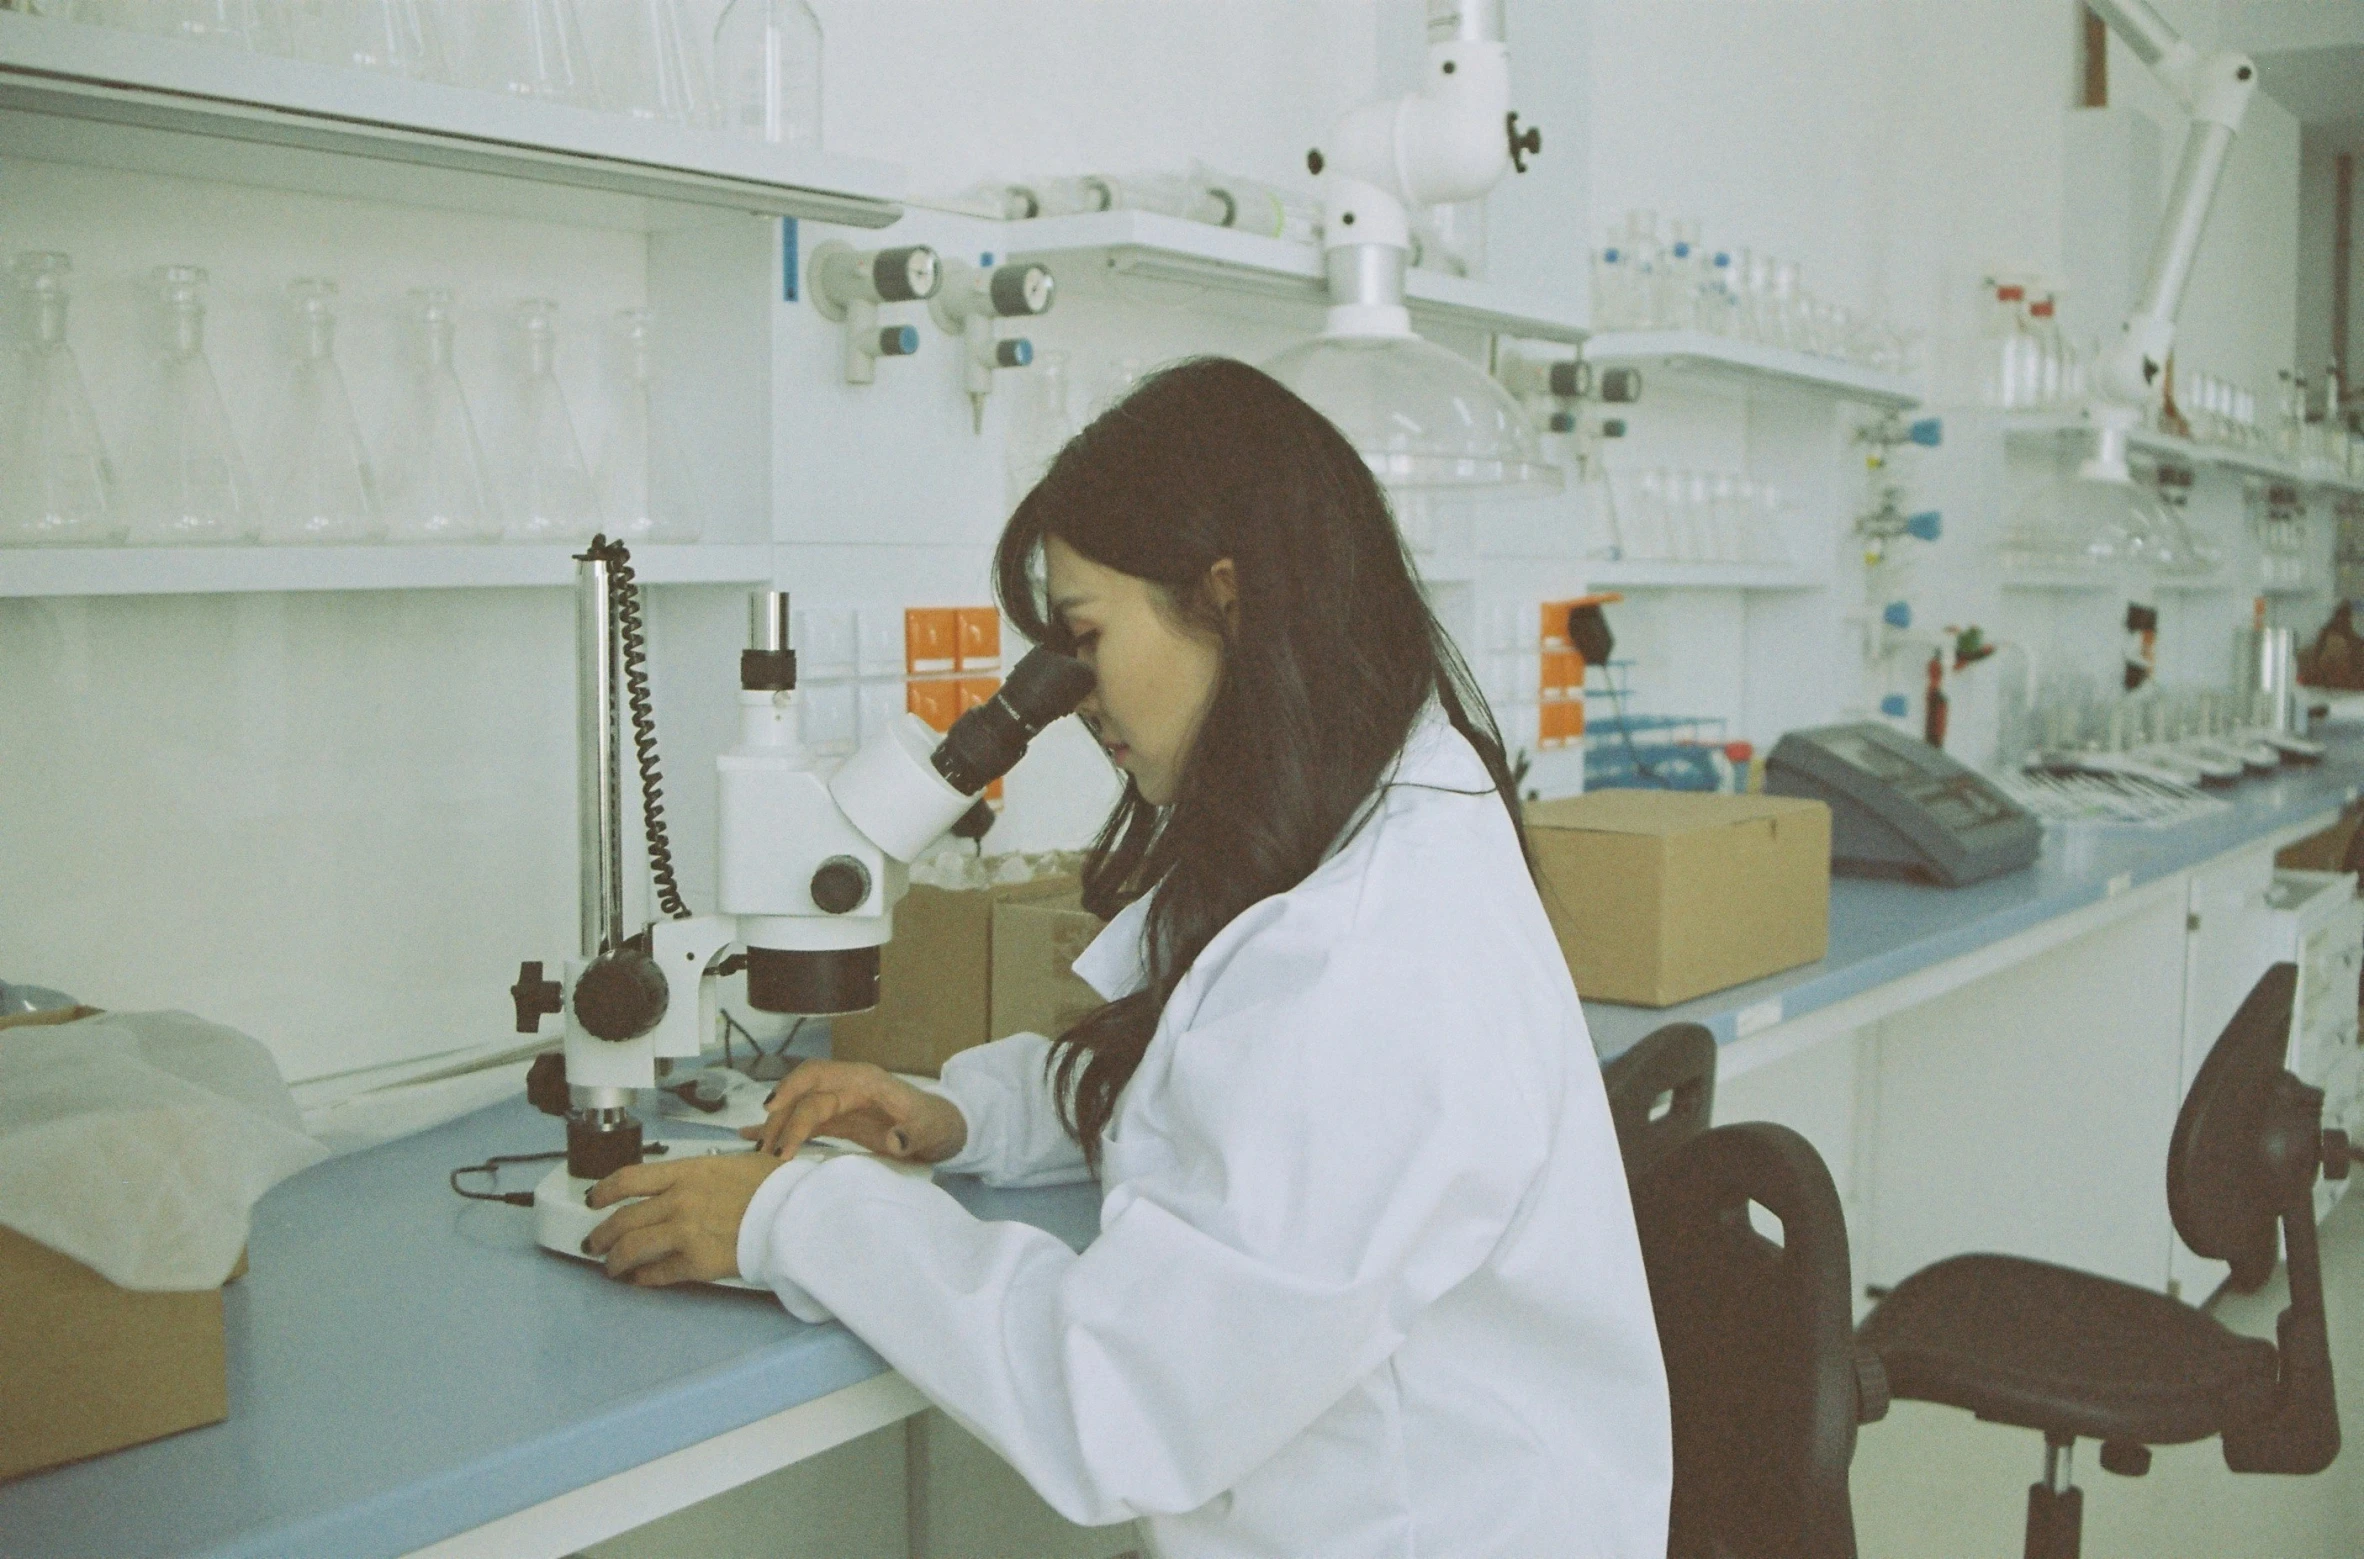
{"x":2223,"y":1204}
{"x":1758,"y":1336}
{"x":1662,"y":1093}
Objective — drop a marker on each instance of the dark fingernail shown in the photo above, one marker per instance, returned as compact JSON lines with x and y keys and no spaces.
{"x":899,"y":1142}
{"x":587,"y":1197}
{"x":769,"y":1097}
{"x":586,"y":1244}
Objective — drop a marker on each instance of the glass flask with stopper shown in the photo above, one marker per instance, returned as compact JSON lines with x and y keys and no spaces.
{"x":323,"y":489}
{"x":553,"y":498}
{"x":57,"y":485}
{"x":188,"y":485}
{"x":436,"y":485}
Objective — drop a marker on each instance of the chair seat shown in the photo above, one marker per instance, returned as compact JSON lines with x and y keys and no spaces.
{"x":2044,"y":1347}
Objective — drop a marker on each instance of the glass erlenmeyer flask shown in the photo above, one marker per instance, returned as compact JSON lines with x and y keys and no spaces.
{"x":532,"y":48}
{"x":399,"y":37}
{"x":187,"y":483}
{"x":652,"y":64}
{"x":767,"y":69}
{"x":232,"y":23}
{"x":435,"y":485}
{"x":647,"y":487}
{"x":56,"y":483}
{"x":323,"y":489}
{"x":553,"y":498}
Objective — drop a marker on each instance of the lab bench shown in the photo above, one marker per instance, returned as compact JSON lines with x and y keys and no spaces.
{"x":410,"y":1372}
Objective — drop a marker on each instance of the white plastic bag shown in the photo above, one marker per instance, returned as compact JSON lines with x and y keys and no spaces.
{"x":138,"y":1143}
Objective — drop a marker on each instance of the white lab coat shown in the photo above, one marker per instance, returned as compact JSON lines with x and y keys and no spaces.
{"x":1366,"y":1284}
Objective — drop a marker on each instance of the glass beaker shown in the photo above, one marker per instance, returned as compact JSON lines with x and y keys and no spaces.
{"x":399,"y":37}
{"x":647,"y":486}
{"x":531,"y":48}
{"x":767,"y":69}
{"x":651,"y":64}
{"x":552,"y":498}
{"x":436,"y":485}
{"x":56,"y":484}
{"x":324,"y":490}
{"x":187,"y":483}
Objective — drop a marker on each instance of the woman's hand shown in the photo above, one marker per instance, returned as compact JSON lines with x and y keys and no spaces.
{"x":687,"y":1229}
{"x":861,"y":1103}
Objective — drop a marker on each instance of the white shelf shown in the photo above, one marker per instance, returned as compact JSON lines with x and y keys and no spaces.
{"x":2063,"y":579}
{"x":58,"y":571}
{"x":2246,"y":462}
{"x":1654,"y":575}
{"x":77,"y":93}
{"x":1697,"y":352}
{"x":1163,"y":248}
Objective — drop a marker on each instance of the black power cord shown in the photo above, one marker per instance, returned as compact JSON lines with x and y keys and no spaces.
{"x":632,"y":633}
{"x":492,"y":1167}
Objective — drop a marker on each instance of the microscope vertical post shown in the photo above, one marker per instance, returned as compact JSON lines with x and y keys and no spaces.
{"x":599,"y":798}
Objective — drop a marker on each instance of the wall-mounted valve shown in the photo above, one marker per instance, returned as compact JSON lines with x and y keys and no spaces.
{"x":1890,"y":521}
{"x":849,"y":284}
{"x":1553,"y":391}
{"x":971,"y":299}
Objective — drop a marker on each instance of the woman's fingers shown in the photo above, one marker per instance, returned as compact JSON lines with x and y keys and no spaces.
{"x":802,"y":1121}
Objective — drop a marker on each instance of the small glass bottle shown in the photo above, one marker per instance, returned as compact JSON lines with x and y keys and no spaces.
{"x":552,"y":497}
{"x":647,"y":486}
{"x":325,"y":490}
{"x":57,"y":485}
{"x":652,"y":64}
{"x":767,"y":64}
{"x":188,"y":485}
{"x":436,"y":484}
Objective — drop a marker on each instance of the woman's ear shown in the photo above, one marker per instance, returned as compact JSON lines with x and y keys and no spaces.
{"x":1223,"y":590}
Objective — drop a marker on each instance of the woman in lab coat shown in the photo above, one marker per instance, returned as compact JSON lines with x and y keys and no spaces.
{"x":1366,"y":1282}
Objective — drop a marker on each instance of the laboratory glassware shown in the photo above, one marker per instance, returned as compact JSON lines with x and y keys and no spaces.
{"x":398,"y":37}
{"x":767,"y":67}
{"x":531,"y":48}
{"x":436,"y":485}
{"x":651,"y":63}
{"x":324,"y":489}
{"x":553,"y":498}
{"x":647,"y":486}
{"x":57,"y":485}
{"x":232,"y":24}
{"x":1612,"y":286}
{"x":1266,"y":209}
{"x":187,"y":484}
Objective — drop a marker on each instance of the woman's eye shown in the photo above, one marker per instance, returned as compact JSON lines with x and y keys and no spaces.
{"x":1084,"y":642}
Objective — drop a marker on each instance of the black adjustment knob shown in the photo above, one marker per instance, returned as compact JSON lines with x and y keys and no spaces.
{"x":841,"y":885}
{"x":976,"y":822}
{"x":2338,"y":1154}
{"x":534,"y":996}
{"x":1871,"y":1387}
{"x":1523,"y":145}
{"x":1621,"y":386}
{"x":621,"y":996}
{"x":2125,"y":1458}
{"x":545,"y":1084}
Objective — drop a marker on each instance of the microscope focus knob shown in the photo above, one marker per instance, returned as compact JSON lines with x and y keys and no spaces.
{"x":841,"y":885}
{"x":621,"y":996}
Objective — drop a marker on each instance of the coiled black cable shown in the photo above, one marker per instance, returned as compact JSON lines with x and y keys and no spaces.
{"x":633,"y":636}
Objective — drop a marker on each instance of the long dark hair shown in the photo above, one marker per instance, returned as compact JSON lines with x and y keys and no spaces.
{"x":1333,"y":655}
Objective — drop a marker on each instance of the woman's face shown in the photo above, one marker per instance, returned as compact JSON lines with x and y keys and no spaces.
{"x":1157,"y":674}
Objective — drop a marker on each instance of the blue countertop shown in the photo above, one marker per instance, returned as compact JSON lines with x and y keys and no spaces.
{"x":405,"y":1365}
{"x":1883,"y":930}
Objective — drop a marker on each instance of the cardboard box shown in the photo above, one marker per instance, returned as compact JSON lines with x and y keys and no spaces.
{"x":2323,"y":852}
{"x":935,"y":978}
{"x":1659,"y":896}
{"x":1035,"y":944}
{"x":91,"y":1367}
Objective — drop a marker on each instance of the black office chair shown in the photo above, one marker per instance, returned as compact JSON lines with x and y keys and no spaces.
{"x":1763,"y":1373}
{"x":2077,"y":1356}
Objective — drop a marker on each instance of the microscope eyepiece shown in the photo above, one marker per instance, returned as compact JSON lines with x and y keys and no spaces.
{"x":988,"y":741}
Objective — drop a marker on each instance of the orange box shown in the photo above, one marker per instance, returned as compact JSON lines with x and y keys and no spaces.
{"x":978,"y":632}
{"x":935,"y":700}
{"x":1560,"y":722}
{"x":976,"y":690}
{"x":993,"y":790}
{"x":1563,"y":675}
{"x":1554,"y":633}
{"x":931,"y":639}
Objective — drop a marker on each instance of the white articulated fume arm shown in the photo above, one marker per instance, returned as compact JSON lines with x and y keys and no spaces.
{"x":1420,"y":416}
{"x":2215,"y":89}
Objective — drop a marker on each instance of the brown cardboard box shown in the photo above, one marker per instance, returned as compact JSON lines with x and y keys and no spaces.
{"x":91,"y":1367}
{"x":935,"y":978}
{"x":2323,"y":852}
{"x":1659,"y":896}
{"x":1035,"y":944}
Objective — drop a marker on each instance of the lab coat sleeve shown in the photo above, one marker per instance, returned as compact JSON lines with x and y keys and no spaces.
{"x":1015,"y":1136}
{"x":1334,"y":1158}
